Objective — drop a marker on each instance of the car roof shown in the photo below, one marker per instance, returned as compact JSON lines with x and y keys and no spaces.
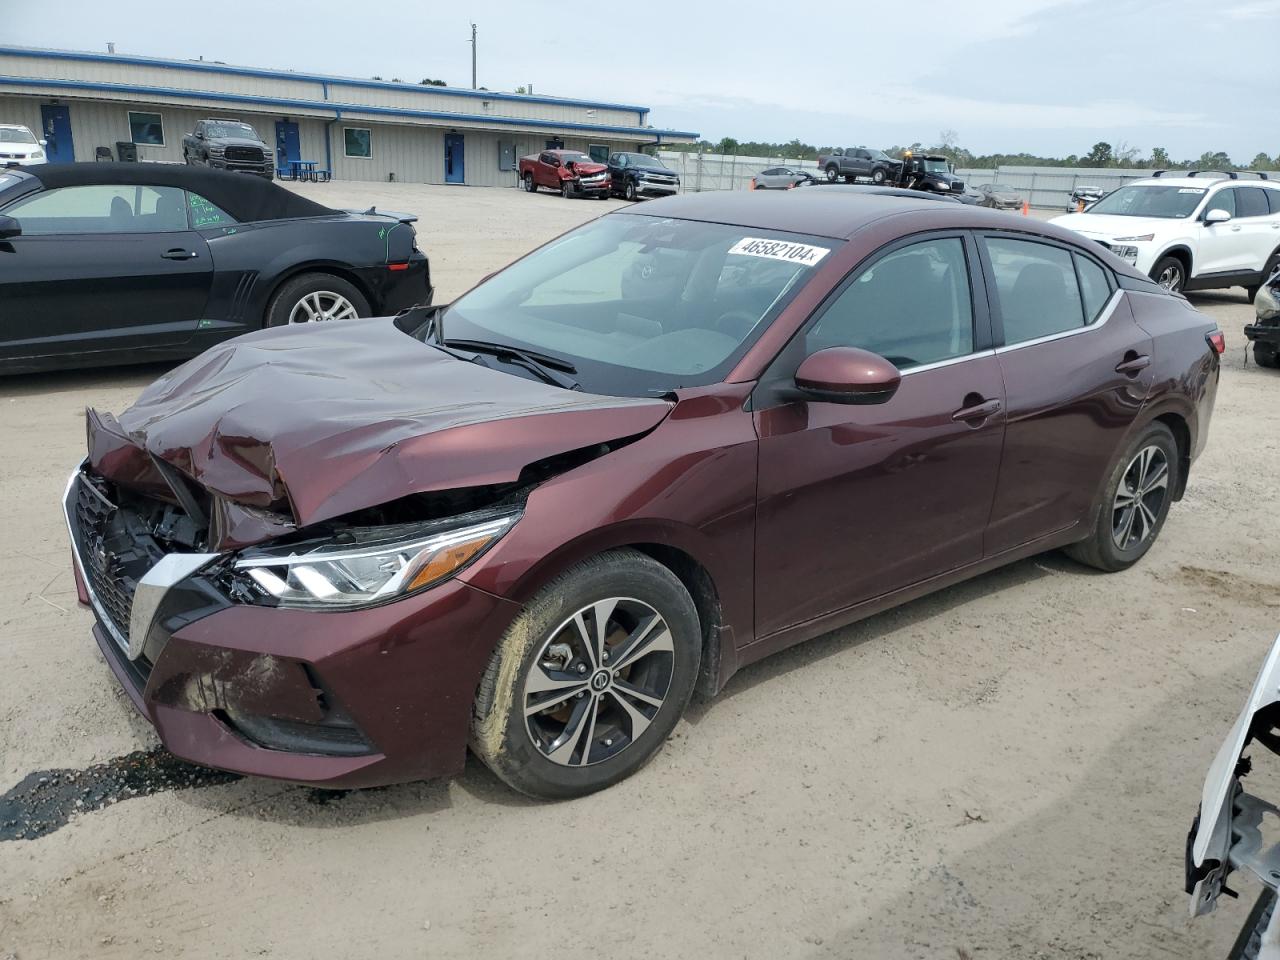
{"x":1200,"y":182}
{"x":246,"y":197}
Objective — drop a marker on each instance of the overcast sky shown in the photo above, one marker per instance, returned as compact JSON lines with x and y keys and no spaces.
{"x":1045,"y":76}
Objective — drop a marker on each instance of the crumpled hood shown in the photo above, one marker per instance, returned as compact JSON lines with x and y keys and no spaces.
{"x":319,"y":420}
{"x":585,"y":168}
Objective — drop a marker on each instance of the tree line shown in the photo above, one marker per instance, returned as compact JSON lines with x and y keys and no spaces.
{"x":1101,"y":154}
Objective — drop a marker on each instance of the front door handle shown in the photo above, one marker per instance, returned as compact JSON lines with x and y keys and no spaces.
{"x":177,"y":253}
{"x":977,"y":411}
{"x":1133,"y":364}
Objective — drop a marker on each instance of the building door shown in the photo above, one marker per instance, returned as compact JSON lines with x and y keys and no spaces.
{"x":286,"y":143}
{"x":454,"y":168}
{"x":55,"y":122}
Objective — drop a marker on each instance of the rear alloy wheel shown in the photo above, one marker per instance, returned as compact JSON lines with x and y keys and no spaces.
{"x":316,"y":298}
{"x":1264,"y":355}
{"x":590,"y":679}
{"x":1170,"y":274}
{"x":529,"y":185}
{"x":1134,"y":503}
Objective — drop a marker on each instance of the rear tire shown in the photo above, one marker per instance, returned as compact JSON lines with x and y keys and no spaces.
{"x":543,"y":658}
{"x":299,"y":298}
{"x":1134,"y":503}
{"x":1264,"y":355}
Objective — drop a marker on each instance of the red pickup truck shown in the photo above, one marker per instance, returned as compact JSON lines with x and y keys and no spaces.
{"x":568,"y":171}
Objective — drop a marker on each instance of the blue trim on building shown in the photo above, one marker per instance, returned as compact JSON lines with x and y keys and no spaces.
{"x":337,"y":108}
{"x":208,"y":67}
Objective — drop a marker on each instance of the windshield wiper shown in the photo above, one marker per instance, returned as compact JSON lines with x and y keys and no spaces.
{"x":546,"y":368}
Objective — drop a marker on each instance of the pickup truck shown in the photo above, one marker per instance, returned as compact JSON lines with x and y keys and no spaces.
{"x":229,"y":145}
{"x":637,"y":175}
{"x":855,"y":163}
{"x":568,"y":171}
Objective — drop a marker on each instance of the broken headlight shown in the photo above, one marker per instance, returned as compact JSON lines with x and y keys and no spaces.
{"x":367,"y":565}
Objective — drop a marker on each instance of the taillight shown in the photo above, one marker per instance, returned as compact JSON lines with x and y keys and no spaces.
{"x":1217,"y":341}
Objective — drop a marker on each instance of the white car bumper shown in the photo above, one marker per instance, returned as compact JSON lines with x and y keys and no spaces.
{"x":23,"y":161}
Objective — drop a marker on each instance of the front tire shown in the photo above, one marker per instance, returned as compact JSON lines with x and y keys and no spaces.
{"x":566,"y":189}
{"x":877,"y":176}
{"x":529,"y":185}
{"x":1134,"y":502}
{"x":590,"y":679}
{"x":1170,"y":274}
{"x":629,"y":191}
{"x":316,"y":297}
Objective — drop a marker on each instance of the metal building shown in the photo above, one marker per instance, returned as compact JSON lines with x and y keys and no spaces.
{"x":358,"y":129}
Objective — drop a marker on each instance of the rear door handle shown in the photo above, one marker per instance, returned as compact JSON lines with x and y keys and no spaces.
{"x":177,"y":253}
{"x":1134,"y":364}
{"x":978,"y":411}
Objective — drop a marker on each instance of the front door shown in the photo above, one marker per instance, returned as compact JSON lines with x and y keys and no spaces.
{"x":1066,"y":329}
{"x":286,"y":144}
{"x":101,"y":268}
{"x":55,"y":124}
{"x":455,"y":170}
{"x":855,"y":502}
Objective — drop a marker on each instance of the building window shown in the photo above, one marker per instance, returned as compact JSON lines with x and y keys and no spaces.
{"x":599,"y":152}
{"x":358,"y":142}
{"x":146,"y":129}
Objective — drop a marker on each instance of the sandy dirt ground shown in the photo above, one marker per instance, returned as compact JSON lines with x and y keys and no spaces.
{"x":1006,"y":769}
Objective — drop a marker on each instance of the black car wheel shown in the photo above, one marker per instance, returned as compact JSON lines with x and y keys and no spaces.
{"x":1134,"y":502}
{"x":877,"y":176}
{"x":629,"y":191}
{"x":529,"y":185}
{"x":833,"y":173}
{"x":566,"y":189}
{"x":1264,"y":355}
{"x":1169,"y":273}
{"x":590,"y":678}
{"x":314,"y":298}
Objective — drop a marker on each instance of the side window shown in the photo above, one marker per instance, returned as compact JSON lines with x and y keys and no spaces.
{"x":206,"y":214}
{"x":1251,"y":202}
{"x":912,"y":306}
{"x":1095,"y":287}
{"x":772,"y":172}
{"x":1037,"y":289}
{"x":102,"y":208}
{"x":1222,"y":200}
{"x":1273,"y":198}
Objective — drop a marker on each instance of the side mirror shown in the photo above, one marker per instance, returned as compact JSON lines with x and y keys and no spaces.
{"x":847,"y":375}
{"x":43,"y":143}
{"x":1217,"y":215}
{"x":9,"y":227}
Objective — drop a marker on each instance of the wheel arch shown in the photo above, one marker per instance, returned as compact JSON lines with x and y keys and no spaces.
{"x":677,"y":548}
{"x":1183,"y":253}
{"x":1181,"y":431}
{"x":294,"y":271}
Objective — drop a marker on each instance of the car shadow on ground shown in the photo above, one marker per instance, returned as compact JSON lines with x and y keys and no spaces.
{"x":89,"y":378}
{"x":897,"y":619}
{"x":1076,"y":879}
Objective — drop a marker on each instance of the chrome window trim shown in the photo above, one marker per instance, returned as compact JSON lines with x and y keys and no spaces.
{"x":950,"y":361}
{"x":1103,"y":317}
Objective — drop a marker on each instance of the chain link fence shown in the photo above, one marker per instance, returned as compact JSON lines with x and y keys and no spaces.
{"x":1049,"y":187}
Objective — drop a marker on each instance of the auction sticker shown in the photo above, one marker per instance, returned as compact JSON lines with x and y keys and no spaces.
{"x":800,"y":253}
{"x":1190,"y":190}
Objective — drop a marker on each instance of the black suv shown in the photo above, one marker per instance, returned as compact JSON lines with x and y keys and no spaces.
{"x":228,"y":145}
{"x":931,"y":173}
{"x":636,"y":175}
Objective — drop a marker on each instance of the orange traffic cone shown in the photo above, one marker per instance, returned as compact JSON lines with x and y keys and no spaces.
{"x":1026,"y":208}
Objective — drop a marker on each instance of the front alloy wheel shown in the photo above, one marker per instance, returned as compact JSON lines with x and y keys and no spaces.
{"x":590,"y":679}
{"x":1169,"y":274}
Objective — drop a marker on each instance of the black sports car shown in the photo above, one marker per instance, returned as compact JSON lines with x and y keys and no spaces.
{"x":126,"y":263}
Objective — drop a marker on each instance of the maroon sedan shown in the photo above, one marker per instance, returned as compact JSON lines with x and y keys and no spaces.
{"x":667,"y":444}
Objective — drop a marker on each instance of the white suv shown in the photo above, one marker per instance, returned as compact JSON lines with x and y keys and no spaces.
{"x":19,"y":146}
{"x":1190,"y":232}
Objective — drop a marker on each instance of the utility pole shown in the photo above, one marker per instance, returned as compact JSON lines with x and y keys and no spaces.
{"x":473,"y":56}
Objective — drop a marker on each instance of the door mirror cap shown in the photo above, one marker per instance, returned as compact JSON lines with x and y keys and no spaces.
{"x":847,"y":375}
{"x":1217,"y":215}
{"x":9,"y":227}
{"x":43,"y":143}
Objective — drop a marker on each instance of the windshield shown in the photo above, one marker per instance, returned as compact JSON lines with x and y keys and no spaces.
{"x":1001,"y":188}
{"x":644,"y":160}
{"x":575,"y":158}
{"x":878,"y":155}
{"x":935,"y":166}
{"x":16,"y":135}
{"x":230,"y":130}
{"x":1168,"y":202}
{"x":642,"y":305}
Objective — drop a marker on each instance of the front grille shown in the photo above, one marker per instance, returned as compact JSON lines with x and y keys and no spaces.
{"x":114,"y":592}
{"x":245,"y":154}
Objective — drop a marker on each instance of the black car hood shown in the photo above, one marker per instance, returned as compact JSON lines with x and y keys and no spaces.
{"x":237,"y":142}
{"x":660,"y":170}
{"x":309,"y":422}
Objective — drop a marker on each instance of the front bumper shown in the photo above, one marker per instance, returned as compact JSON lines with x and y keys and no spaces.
{"x":593,"y":187}
{"x":335,"y":699}
{"x":263,"y":169}
{"x":1263,"y":333}
{"x":654,"y":188}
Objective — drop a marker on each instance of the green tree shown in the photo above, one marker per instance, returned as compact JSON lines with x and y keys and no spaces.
{"x":1262,"y":162}
{"x":428,"y":82}
{"x":1099,"y":156}
{"x":1160,"y":158}
{"x":1213,"y":161}
{"x":727,"y":145}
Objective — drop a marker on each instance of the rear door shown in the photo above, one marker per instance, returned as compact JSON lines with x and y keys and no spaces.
{"x":101,"y":267}
{"x":1077,"y":370}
